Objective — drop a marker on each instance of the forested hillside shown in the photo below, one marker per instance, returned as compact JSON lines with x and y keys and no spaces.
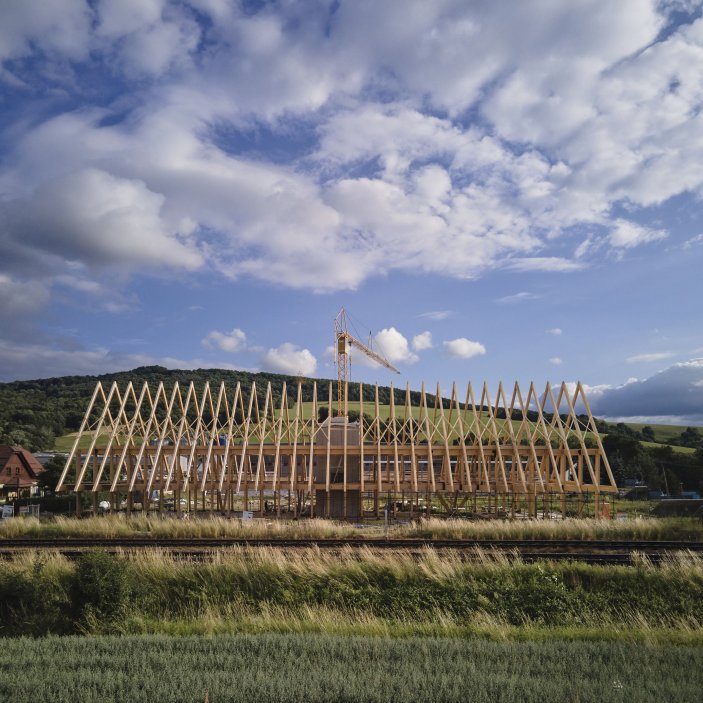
{"x":34,"y":413}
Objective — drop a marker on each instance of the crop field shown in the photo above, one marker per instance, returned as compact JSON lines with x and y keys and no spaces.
{"x":361,"y":624}
{"x":282,"y":668}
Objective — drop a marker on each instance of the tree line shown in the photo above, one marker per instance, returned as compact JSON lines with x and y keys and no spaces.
{"x":33,"y":413}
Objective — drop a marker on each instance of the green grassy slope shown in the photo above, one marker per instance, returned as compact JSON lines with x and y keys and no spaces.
{"x":42,"y":414}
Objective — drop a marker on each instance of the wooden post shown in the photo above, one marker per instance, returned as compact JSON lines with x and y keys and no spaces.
{"x":532,"y":504}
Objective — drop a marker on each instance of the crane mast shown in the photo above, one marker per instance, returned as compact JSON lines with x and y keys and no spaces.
{"x":342,"y":338}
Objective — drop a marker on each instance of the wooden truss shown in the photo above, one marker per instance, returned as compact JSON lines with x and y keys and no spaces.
{"x":224,"y":442}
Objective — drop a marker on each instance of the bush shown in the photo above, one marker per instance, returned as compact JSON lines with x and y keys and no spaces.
{"x":35,"y":600}
{"x":100,"y":590}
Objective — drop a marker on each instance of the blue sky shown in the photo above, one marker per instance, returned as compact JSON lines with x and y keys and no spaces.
{"x":497,"y":191}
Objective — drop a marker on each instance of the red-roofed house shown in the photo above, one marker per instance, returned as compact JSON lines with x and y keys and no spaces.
{"x":19,"y":472}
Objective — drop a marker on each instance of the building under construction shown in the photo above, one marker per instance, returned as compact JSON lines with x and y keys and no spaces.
{"x":347,"y":455}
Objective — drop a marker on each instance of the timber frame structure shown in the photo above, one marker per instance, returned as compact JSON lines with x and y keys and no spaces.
{"x":158,"y":448}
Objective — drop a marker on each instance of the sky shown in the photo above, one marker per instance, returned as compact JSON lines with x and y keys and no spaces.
{"x":495,"y":191}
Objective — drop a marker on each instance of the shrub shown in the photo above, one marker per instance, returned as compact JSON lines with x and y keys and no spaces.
{"x":100,"y":590}
{"x":35,"y":600}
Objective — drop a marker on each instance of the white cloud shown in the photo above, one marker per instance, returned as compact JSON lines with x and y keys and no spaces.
{"x":544,"y":263}
{"x":394,"y":346}
{"x":422,"y":341}
{"x":463,"y":348}
{"x":127,"y":16}
{"x":233,"y":341}
{"x":610,"y":114}
{"x":18,"y":299}
{"x":61,"y":29}
{"x":693,"y":241}
{"x":626,"y":235}
{"x":99,"y":219}
{"x":646,"y":358}
{"x":149,"y":37}
{"x":517,"y":298}
{"x":289,"y":359}
{"x":555,"y":331}
{"x":556,"y":361}
{"x":436,"y":315}
{"x":28,"y":361}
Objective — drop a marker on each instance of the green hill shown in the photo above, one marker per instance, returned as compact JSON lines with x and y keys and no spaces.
{"x":41,"y":414}
{"x":44,"y":414}
{"x":35,"y":413}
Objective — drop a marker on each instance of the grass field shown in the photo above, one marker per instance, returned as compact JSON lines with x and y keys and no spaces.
{"x":267,"y":624}
{"x":662,"y":433}
{"x":351,"y":591}
{"x":283,"y":668}
{"x":65,"y":443}
{"x":571,"y":528}
{"x":675,"y":447}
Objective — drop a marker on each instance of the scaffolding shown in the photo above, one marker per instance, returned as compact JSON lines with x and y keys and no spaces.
{"x":220,"y":449}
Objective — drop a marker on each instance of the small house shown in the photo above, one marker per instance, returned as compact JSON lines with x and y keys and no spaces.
{"x":19,"y":473}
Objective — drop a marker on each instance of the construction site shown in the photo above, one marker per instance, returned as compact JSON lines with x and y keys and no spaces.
{"x":344,"y":454}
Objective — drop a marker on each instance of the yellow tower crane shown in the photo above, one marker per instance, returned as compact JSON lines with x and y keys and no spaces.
{"x":343,"y":343}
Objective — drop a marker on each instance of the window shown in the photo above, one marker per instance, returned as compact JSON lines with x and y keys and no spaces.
{"x":17,"y":471}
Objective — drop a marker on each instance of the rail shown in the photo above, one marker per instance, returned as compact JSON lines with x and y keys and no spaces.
{"x":623,"y":552}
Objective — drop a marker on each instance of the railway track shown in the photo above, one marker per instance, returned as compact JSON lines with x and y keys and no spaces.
{"x":589,"y":551}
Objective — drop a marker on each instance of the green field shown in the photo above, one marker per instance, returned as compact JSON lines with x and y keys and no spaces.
{"x":65,"y":443}
{"x":662,"y":433}
{"x":271,"y":624}
{"x":675,"y":447}
{"x":311,"y":669}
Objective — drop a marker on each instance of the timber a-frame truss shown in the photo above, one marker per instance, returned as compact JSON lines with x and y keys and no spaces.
{"x":145,"y":444}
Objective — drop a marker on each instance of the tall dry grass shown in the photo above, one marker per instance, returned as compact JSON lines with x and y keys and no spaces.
{"x":363,"y":591}
{"x":113,"y":526}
